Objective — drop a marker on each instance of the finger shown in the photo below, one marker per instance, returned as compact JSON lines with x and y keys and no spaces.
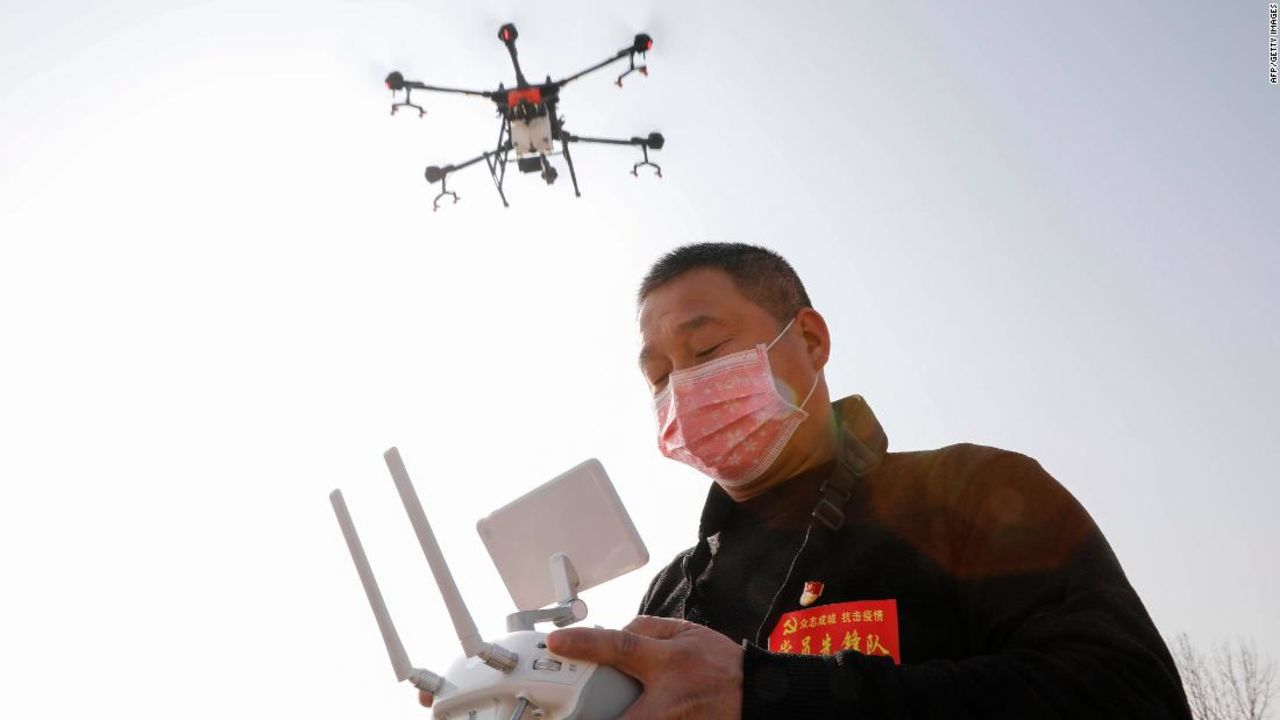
{"x":425,"y":698}
{"x":657,"y":627}
{"x":631,"y":653}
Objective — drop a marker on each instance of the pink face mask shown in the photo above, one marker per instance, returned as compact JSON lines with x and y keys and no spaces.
{"x":726,"y":417}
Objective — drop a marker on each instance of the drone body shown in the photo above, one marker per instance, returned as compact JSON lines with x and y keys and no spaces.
{"x":530,"y":122}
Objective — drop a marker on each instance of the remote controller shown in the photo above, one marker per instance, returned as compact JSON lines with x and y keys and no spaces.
{"x":517,"y":676}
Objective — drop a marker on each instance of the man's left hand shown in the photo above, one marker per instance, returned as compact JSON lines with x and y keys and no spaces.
{"x":688,"y":671}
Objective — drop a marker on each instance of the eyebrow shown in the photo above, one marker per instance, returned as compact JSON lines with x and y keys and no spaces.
{"x":693,"y":323}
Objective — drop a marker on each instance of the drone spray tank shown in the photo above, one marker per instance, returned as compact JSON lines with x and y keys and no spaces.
{"x":501,"y":680}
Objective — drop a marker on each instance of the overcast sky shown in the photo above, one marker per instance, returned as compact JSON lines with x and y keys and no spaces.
{"x":223,"y":293}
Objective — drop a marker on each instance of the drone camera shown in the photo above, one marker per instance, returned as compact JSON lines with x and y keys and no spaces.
{"x":435,"y":173}
{"x":395,"y":81}
{"x":655,"y":141}
{"x":529,"y":164}
{"x":507,"y":33}
{"x":643,"y":43}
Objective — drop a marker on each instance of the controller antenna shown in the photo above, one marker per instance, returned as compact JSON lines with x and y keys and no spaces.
{"x":421,"y":679}
{"x":495,"y":656}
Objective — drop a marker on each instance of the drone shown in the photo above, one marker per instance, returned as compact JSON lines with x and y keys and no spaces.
{"x":531,"y":124}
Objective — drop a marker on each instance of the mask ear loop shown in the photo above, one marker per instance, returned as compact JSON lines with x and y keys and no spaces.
{"x":814,"y":386}
{"x":769,"y":347}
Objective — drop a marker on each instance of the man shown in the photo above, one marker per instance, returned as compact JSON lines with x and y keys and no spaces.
{"x":832,"y":578}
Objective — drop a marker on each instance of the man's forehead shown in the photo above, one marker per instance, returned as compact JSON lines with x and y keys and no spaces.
{"x":701,"y":291}
{"x":704,"y":297}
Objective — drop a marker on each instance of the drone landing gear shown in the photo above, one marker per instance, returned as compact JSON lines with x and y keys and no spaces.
{"x":435,"y":204}
{"x":557,"y":130}
{"x":635,"y":169}
{"x":572,"y":175}
{"x":497,"y":160}
{"x":498,"y":170}
{"x":644,"y":70}
{"x":441,"y":175}
{"x":408,"y":102}
{"x":643,"y":43}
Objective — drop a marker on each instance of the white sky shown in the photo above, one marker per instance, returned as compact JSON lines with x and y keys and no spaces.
{"x":223,"y":293}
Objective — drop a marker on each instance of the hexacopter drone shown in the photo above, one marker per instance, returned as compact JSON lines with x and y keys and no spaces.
{"x":530,"y":124}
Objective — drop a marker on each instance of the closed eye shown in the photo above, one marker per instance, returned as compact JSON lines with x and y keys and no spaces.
{"x":709,"y":351}
{"x":701,"y":355}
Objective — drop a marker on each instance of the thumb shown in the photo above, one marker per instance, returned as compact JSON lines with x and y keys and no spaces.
{"x":631,"y":653}
{"x":659,"y":628}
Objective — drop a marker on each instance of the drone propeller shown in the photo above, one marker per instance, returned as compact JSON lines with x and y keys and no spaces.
{"x":395,"y":83}
{"x":370,"y":56}
{"x":640,"y":45}
{"x":492,"y":20}
{"x":654,"y":20}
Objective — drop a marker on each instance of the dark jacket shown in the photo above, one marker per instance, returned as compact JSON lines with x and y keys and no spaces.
{"x":1009,"y":601}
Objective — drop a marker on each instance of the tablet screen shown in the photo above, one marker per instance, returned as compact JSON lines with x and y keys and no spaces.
{"x":578,"y":513}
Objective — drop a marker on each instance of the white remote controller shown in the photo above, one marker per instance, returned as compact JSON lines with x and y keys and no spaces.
{"x":558,"y":687}
{"x":514,"y":678}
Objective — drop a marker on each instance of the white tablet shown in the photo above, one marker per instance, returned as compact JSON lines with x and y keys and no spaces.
{"x":578,"y":513}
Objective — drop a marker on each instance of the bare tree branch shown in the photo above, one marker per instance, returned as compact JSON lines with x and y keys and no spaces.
{"x":1233,"y":682}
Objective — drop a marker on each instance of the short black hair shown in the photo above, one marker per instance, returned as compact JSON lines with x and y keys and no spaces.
{"x":760,"y":274}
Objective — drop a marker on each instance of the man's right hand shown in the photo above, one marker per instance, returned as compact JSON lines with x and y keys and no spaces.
{"x":425,"y":698}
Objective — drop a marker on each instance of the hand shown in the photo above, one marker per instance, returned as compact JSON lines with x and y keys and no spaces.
{"x":688,"y":671}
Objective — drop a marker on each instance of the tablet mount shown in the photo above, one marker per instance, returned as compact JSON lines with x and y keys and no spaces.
{"x":568,"y":609}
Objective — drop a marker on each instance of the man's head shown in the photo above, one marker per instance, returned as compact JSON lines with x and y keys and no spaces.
{"x":700,"y":302}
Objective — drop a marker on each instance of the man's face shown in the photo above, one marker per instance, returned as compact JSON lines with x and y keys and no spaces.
{"x":700,"y":316}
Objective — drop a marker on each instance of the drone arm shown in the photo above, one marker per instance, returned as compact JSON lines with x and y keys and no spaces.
{"x":395,"y":82}
{"x":604,"y":141}
{"x":641,"y":44}
{"x":415,"y":85}
{"x":492,"y":158}
{"x":654,"y":141}
{"x":435,"y":173}
{"x":603,"y":63}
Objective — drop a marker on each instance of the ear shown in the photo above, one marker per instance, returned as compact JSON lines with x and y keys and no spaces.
{"x":817,"y":338}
